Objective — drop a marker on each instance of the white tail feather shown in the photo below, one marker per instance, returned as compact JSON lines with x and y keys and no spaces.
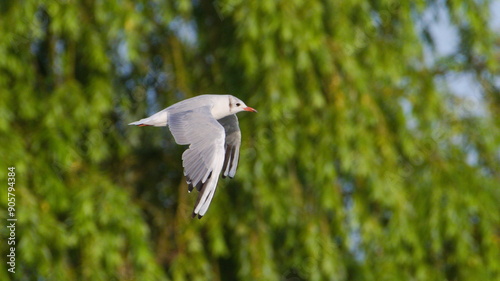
{"x":158,"y":120}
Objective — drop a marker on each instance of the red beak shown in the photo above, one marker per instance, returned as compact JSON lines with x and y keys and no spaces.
{"x":248,"y":108}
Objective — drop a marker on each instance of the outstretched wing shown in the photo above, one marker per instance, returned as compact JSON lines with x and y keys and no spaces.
{"x":232,"y":145}
{"x":204,"y":158}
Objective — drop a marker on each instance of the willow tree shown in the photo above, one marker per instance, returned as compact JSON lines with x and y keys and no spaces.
{"x":362,"y":164}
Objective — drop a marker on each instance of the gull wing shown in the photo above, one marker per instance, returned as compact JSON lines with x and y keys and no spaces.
{"x":204,"y":158}
{"x":232,"y":145}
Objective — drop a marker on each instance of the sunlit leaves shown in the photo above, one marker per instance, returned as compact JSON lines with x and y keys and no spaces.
{"x":359,"y":165}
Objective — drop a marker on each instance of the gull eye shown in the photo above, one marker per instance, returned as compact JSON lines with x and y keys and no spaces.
{"x":238,"y":104}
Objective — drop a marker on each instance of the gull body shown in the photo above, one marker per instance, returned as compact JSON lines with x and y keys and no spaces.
{"x":208,"y":124}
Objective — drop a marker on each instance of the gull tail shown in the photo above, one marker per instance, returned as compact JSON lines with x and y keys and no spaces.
{"x":158,"y":120}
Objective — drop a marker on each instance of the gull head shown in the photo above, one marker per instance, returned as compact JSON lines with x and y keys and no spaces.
{"x":236,"y":105}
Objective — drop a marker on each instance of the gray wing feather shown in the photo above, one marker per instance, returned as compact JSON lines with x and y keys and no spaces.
{"x":204,"y":158}
{"x":232,"y":145}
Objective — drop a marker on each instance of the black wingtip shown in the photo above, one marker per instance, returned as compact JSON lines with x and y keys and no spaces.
{"x":193,"y":215}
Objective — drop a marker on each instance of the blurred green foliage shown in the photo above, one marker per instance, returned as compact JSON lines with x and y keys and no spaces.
{"x":360,"y":165}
